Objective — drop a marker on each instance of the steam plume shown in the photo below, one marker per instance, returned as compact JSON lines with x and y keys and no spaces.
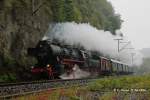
{"x":92,"y":39}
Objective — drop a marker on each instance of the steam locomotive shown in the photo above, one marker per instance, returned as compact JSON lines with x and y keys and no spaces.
{"x":59,"y":61}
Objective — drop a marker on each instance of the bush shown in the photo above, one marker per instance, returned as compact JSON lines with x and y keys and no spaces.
{"x":7,"y":77}
{"x":125,"y":82}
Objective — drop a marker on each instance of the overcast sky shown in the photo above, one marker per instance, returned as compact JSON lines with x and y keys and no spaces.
{"x":136,"y":16}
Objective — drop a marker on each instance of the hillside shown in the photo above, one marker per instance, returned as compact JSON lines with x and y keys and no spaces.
{"x":24,"y":22}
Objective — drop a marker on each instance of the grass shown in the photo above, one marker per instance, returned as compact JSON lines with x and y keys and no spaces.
{"x":124,"y":82}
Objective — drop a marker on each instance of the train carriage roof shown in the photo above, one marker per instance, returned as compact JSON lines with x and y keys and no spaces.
{"x":116,"y":61}
{"x":104,"y":58}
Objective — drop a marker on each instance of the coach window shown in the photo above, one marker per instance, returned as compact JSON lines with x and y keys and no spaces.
{"x":117,"y":66}
{"x":121,"y":67}
{"x":114,"y":66}
{"x":126,"y":68}
{"x":105,"y":65}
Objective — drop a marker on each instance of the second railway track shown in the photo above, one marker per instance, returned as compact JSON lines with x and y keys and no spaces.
{"x":16,"y":89}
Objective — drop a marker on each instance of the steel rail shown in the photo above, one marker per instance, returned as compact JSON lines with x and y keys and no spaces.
{"x":15,"y":89}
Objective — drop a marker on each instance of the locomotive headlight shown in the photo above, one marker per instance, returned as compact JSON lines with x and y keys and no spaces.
{"x":48,"y":65}
{"x":32,"y":67}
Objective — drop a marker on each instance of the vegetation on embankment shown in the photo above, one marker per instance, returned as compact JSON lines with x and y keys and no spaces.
{"x":112,"y":88}
{"x":24,"y":22}
{"x":124,"y":82}
{"x":7,"y":77}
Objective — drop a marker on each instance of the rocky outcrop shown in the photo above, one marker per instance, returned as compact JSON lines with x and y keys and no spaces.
{"x":22,"y":25}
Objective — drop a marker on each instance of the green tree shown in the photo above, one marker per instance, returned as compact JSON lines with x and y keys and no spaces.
{"x":58,"y":10}
{"x":69,"y":10}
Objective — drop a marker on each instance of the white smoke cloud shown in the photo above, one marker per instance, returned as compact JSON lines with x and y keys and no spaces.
{"x":76,"y":74}
{"x":92,"y":39}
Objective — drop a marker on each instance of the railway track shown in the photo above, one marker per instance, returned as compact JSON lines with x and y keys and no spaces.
{"x":15,"y":89}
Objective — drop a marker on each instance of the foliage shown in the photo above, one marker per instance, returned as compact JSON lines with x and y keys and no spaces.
{"x":98,"y":13}
{"x":69,"y":10}
{"x":7,"y":77}
{"x":58,"y":10}
{"x":125,"y":82}
{"x":8,"y":60}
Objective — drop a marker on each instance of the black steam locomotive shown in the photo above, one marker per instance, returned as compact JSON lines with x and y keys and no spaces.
{"x":59,"y":61}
